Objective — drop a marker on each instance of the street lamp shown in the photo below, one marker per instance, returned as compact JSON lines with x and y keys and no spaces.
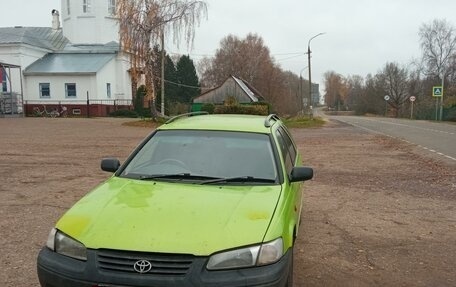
{"x":300,"y":88}
{"x":310,"y":72}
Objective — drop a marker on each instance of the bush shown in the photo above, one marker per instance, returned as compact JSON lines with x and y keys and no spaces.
{"x":177,"y":108}
{"x":261,"y":110}
{"x":449,"y":114}
{"x":265,"y":105}
{"x":208,"y":108}
{"x":139,"y":100}
{"x":124,"y":114}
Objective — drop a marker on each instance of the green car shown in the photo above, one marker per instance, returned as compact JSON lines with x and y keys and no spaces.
{"x":205,"y":200}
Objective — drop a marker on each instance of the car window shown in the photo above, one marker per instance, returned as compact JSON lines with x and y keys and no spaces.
{"x":287,"y":147}
{"x":289,"y":143}
{"x":215,"y":154}
{"x":284,"y":150}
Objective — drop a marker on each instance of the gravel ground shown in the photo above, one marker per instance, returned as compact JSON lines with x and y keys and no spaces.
{"x":376,"y":214}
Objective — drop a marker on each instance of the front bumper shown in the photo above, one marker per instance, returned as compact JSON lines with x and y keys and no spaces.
{"x":55,"y":270}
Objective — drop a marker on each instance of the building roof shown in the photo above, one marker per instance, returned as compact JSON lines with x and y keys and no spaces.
{"x":110,"y":47}
{"x":248,"y":90}
{"x":42,"y":37}
{"x":252,"y":90}
{"x":6,"y":65}
{"x":69,"y":63}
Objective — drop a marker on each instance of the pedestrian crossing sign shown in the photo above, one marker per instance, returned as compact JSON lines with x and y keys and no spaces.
{"x":437,"y":91}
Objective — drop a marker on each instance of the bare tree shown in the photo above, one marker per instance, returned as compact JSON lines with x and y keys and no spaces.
{"x":203,"y":65}
{"x":336,"y":90}
{"x":373,"y":98}
{"x":246,"y":58}
{"x":438,"y":43}
{"x":249,"y":58}
{"x":394,"y":81}
{"x":142,"y":24}
{"x":355,"y":85}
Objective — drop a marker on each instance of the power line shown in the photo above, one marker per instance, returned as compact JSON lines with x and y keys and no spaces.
{"x":183,"y":85}
{"x":295,"y":54}
{"x":292,"y":57}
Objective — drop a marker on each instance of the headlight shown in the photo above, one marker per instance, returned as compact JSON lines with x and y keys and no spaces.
{"x":65,"y":245}
{"x":263,"y":254}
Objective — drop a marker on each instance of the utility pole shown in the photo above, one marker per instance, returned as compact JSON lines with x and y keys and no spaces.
{"x":163,"y":72}
{"x":301,"y":97}
{"x":310,"y":77}
{"x":310,"y":73}
{"x":301,"y":106}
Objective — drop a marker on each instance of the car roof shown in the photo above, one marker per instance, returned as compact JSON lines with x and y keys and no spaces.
{"x":222,"y":122}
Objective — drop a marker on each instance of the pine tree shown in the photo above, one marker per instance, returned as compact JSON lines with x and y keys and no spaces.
{"x":171,"y":86}
{"x":188,"y":79}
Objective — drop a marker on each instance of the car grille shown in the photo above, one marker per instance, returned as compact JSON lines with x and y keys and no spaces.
{"x":162,"y":264}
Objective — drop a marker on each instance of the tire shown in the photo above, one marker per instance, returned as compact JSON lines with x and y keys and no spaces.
{"x":290,"y":271}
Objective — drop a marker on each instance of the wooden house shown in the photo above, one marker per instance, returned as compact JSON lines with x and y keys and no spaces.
{"x":234,"y":87}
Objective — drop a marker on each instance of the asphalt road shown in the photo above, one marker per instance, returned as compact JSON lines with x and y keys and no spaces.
{"x":434,"y":138}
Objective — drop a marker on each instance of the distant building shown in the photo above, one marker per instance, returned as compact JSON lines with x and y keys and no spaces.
{"x":56,"y":66}
{"x":315,"y":94}
{"x":234,"y":87}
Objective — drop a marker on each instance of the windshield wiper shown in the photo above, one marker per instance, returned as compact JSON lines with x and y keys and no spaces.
{"x":176,"y":176}
{"x":239,"y":179}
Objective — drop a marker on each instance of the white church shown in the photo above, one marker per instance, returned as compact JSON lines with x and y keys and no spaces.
{"x":75,"y":63}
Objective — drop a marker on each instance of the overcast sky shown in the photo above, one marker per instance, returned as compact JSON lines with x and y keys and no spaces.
{"x":361,"y":36}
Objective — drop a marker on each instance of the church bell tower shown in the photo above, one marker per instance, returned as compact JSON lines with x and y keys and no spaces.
{"x":89,"y":21}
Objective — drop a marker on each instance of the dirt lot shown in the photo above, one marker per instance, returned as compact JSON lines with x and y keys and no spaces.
{"x":376,"y":214}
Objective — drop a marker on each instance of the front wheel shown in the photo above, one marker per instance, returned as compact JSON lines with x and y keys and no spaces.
{"x":290,"y":271}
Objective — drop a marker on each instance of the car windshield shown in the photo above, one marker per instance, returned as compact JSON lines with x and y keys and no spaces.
{"x":206,"y":157}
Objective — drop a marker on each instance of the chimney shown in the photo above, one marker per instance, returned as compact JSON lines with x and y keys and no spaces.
{"x":55,"y":19}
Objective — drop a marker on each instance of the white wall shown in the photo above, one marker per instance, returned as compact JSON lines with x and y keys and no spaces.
{"x":20,"y":55}
{"x":106,"y":75}
{"x":57,"y":88}
{"x":114,"y":72}
{"x":123,"y":83}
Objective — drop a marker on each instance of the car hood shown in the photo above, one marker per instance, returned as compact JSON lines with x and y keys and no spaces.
{"x":148,"y":216}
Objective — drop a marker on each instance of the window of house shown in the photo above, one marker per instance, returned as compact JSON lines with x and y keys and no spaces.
{"x":68,"y":7}
{"x":111,"y":7}
{"x":45,"y":90}
{"x":70,"y":90}
{"x":108,"y":90}
{"x":86,"y":6}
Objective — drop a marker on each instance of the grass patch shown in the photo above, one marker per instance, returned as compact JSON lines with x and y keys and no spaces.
{"x":296,"y":122}
{"x":304,"y":122}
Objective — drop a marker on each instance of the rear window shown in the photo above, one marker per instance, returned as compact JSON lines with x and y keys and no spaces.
{"x":207,"y":153}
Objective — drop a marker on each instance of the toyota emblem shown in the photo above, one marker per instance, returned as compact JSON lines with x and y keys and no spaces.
{"x":142,"y":266}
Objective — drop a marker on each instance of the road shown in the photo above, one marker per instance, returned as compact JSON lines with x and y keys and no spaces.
{"x":436,"y":138}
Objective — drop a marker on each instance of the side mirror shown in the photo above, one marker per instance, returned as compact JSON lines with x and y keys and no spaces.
{"x":110,"y":164}
{"x":301,"y":173}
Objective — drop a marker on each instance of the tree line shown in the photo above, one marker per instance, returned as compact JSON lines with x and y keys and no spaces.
{"x":143,"y":23}
{"x":250,"y":59}
{"x":399,"y":82}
